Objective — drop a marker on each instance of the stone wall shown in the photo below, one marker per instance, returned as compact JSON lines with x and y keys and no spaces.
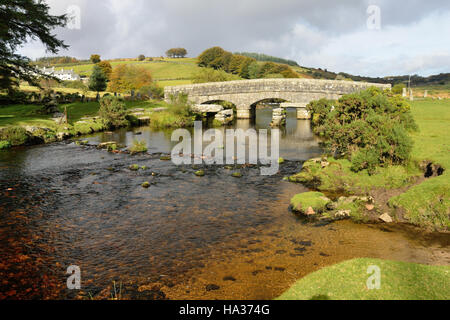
{"x":245,"y":93}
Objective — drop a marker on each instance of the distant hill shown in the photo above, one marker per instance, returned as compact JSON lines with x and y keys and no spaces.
{"x":267,"y":58}
{"x":442,"y":80}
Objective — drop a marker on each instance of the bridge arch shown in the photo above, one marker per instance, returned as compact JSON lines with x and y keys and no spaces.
{"x":244,"y":93}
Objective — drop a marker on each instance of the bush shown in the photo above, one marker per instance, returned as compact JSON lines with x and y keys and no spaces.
{"x":369,"y":128}
{"x":16,"y":136}
{"x":153,"y":91}
{"x":177,"y":115}
{"x":113,"y":112}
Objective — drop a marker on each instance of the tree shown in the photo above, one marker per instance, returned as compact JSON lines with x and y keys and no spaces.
{"x":98,"y":79}
{"x":210,"y":57}
{"x":113,"y":112}
{"x":125,"y":78}
{"x":95,"y":58}
{"x":176,"y":53}
{"x":141,"y":57}
{"x":106,"y":68}
{"x":19,"y":22}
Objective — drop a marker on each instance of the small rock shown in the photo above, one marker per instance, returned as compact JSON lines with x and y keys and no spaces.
{"x":386,"y":218}
{"x":370,"y":207}
{"x":324,"y":164}
{"x":229,"y":278}
{"x":310,"y":212}
{"x":212,"y":287}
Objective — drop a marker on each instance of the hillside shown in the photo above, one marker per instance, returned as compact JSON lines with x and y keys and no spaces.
{"x":170,"y":72}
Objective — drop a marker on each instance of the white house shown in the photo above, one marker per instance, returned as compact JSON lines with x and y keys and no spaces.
{"x":63,"y":75}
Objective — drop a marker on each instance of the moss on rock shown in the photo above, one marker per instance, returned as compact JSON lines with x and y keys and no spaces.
{"x":309,"y":202}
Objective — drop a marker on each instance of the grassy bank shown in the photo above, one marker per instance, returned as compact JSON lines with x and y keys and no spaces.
{"x":27,"y":124}
{"x":348,"y":281}
{"x":427,"y":203}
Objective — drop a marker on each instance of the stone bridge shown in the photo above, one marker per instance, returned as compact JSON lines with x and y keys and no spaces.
{"x":246,"y":94}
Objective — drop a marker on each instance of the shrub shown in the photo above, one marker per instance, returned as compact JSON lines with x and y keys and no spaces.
{"x":369,"y":128}
{"x":177,"y":115}
{"x":113,"y":112}
{"x":16,"y":135}
{"x":153,"y":91}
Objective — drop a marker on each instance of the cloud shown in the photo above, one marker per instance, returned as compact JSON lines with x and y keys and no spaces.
{"x":318,"y":33}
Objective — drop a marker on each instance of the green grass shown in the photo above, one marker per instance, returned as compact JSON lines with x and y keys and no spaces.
{"x":429,"y":203}
{"x":138,"y":147}
{"x":163,"y":71}
{"x":316,"y":200}
{"x":338,"y":177}
{"x":28,"y":115}
{"x":348,"y":281}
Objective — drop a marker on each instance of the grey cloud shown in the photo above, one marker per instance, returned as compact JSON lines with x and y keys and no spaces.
{"x":287,"y":28}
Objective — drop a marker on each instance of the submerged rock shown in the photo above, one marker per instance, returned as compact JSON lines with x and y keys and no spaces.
{"x":212,"y":287}
{"x":134,"y":167}
{"x":200,"y":173}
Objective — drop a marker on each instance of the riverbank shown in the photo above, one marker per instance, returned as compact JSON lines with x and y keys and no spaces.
{"x":417,"y":193}
{"x":27,"y":125}
{"x":347,"y":281}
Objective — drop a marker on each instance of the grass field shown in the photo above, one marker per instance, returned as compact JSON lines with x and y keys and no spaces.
{"x":430,"y":201}
{"x":162,"y":70}
{"x":348,"y":281}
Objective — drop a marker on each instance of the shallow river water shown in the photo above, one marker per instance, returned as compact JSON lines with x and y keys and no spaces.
{"x":186,"y":237}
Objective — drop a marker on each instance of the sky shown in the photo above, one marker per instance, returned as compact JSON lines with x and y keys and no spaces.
{"x":361,"y":37}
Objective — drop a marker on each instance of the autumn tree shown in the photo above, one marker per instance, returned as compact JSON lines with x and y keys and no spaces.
{"x":21,"y":21}
{"x":106,"y":68}
{"x":176,"y":53}
{"x":95,"y":58}
{"x":126,"y":78}
{"x":211,"y":57}
{"x":97,"y":80}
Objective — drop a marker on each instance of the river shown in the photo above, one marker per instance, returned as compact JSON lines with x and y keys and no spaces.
{"x":185,"y":237}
